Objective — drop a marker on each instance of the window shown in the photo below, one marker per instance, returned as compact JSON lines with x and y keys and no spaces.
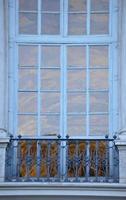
{"x":63,"y":79}
{"x":63,"y":67}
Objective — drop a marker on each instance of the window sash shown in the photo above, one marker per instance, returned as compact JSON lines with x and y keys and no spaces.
{"x":83,"y":40}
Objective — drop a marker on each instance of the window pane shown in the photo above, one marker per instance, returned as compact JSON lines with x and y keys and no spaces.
{"x":50,"y":56}
{"x":76,"y":79}
{"x":99,"y":102}
{"x":50,"y":125}
{"x":76,"y":102}
{"x":27,"y":102}
{"x":76,"y":125}
{"x":28,"y":5}
{"x":99,"y":56}
{"x":28,"y":23}
{"x":76,"y":56}
{"x":50,"y":24}
{"x":28,"y":56}
{"x":50,"y":5}
{"x":99,"y":125}
{"x":50,"y":102}
{"x":50,"y":79}
{"x":100,"y":5}
{"x":27,"y":125}
{"x":27,"y":79}
{"x":99,"y":79}
{"x":99,"y":23}
{"x":77,"y":5}
{"x":76,"y":24}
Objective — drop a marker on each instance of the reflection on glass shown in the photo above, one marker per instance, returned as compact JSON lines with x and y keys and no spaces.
{"x":27,"y":150}
{"x":28,"y":55}
{"x":50,"y":56}
{"x":99,"y":79}
{"x":98,"y":56}
{"x":28,"y":23}
{"x":27,"y":79}
{"x":50,"y":125}
{"x":76,"y":102}
{"x":50,"y":79}
{"x":50,"y":5}
{"x":76,"y":24}
{"x":76,"y":79}
{"x":50,"y":24}
{"x":27,"y":125}
{"x":99,"y":23}
{"x":76,"y":125}
{"x":100,"y":5}
{"x":99,"y":125}
{"x":99,"y":102}
{"x":27,"y":102}
{"x":78,"y":151}
{"x":77,"y":5}
{"x":76,"y":56}
{"x":50,"y":102}
{"x":25,"y":5}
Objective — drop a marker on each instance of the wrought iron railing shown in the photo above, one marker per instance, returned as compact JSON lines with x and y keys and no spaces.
{"x":62,"y":160}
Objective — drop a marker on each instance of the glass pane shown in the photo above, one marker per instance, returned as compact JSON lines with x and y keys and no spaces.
{"x":27,"y":125}
{"x":77,"y":5}
{"x":99,"y":102}
{"x":50,"y":24}
{"x":50,"y":56}
{"x":99,"y":23}
{"x":50,"y":102}
{"x":28,"y":56}
{"x":99,"y":79}
{"x":76,"y":79}
{"x":76,"y":24}
{"x":76,"y":56}
{"x":50,"y":5}
{"x":27,"y":102}
{"x":28,"y":5}
{"x":50,"y":79}
{"x":99,"y":56}
{"x":27,"y":79}
{"x":99,"y":125}
{"x":76,"y":125}
{"x":28,"y":149}
{"x":28,"y":23}
{"x":76,"y":102}
{"x":50,"y":125}
{"x":49,"y":167}
{"x":100,"y":5}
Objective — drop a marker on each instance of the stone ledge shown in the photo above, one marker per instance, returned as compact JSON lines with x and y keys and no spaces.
{"x":62,"y":189}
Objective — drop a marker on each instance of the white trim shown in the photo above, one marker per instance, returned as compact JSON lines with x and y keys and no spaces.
{"x":64,"y":190}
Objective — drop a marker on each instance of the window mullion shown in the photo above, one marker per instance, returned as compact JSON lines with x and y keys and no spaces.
{"x":62,"y":17}
{"x":65,"y":90}
{"x":39,"y":93}
{"x":39,"y":17}
{"x":88,"y":16}
{"x":87,"y":91}
{"x":65,"y":9}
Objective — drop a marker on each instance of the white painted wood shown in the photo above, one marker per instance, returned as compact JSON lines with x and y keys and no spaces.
{"x":3,"y":66}
{"x":122,"y":68}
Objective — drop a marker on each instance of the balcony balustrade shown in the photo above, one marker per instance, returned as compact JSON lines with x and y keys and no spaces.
{"x":62,"y":160}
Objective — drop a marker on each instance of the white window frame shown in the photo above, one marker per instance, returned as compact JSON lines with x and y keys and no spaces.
{"x":15,"y":39}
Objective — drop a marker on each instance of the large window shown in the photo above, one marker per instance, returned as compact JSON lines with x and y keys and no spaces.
{"x":63,"y":67}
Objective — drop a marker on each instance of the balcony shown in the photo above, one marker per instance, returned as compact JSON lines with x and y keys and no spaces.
{"x":62,"y":160}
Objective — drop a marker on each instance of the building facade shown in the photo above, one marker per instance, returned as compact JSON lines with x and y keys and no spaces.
{"x":62,"y":111}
